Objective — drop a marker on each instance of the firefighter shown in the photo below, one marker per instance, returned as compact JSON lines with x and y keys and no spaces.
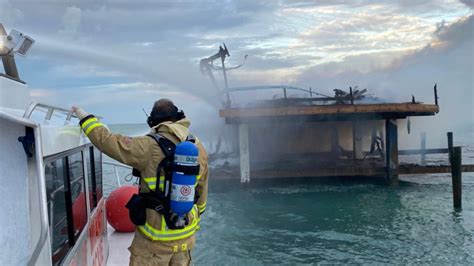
{"x":154,"y":242}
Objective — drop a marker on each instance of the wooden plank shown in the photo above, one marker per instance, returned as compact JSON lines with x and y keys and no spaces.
{"x":412,"y":109}
{"x":320,"y":172}
{"x":355,"y":171}
{"x":426,"y":151}
{"x":431,"y":169}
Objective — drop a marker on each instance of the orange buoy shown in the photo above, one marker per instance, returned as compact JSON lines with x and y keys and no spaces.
{"x":117,"y":213}
{"x":79,"y":212}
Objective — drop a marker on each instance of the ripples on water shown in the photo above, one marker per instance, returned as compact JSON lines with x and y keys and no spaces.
{"x":338,"y":223}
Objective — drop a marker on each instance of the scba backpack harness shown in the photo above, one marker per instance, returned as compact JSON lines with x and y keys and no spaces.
{"x":180,"y":167}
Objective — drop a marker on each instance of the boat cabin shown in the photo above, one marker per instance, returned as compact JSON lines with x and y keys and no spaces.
{"x":53,"y":209}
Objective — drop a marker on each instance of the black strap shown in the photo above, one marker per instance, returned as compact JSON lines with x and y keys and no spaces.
{"x":151,"y":201}
{"x":191,"y":138}
{"x":186,"y":169}
{"x":168,"y":147}
{"x":85,"y":119}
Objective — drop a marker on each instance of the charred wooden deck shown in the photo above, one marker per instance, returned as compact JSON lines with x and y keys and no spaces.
{"x":339,"y":112}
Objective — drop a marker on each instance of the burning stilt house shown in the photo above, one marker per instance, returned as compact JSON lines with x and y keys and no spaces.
{"x":319,"y":135}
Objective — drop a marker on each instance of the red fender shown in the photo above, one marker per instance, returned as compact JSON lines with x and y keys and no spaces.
{"x":116,"y":212}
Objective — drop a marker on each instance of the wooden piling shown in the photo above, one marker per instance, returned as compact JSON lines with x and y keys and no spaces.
{"x":456,"y":174}
{"x":391,"y":148}
{"x":423,"y":148}
{"x":352,"y":95}
{"x":450,"y":145}
{"x":450,"y":141}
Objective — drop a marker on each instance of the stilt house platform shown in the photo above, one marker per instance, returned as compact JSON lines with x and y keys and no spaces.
{"x":297,"y":137}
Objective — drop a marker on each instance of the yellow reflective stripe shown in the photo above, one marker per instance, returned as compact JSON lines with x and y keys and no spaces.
{"x":151,"y":182}
{"x":150,"y":179}
{"x":201,"y":207}
{"x":88,"y":121}
{"x":201,"y":210}
{"x":161,"y":185}
{"x":197,"y":179}
{"x":163,"y":223}
{"x":147,"y":230}
{"x":167,"y":234}
{"x":90,"y":128}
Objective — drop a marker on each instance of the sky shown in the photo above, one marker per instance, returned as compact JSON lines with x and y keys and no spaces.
{"x":114,"y":58}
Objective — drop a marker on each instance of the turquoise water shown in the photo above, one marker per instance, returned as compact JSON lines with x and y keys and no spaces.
{"x":336,"y":223}
{"x":342,"y":222}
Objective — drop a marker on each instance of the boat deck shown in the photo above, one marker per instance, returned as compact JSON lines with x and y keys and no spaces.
{"x":118,"y":247}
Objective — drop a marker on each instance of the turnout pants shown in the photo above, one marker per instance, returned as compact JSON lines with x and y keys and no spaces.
{"x":148,"y":259}
{"x":144,"y":252}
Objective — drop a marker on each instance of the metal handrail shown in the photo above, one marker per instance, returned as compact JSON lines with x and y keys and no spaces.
{"x":116,"y":166}
{"x":51,"y":108}
{"x":42,"y":198}
{"x":29,"y":110}
{"x":271,"y":87}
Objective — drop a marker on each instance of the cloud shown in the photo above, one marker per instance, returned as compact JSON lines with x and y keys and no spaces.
{"x":324,"y":44}
{"x":71,"y":22}
{"x":447,"y":60}
{"x":469,"y":3}
{"x":10,"y":14}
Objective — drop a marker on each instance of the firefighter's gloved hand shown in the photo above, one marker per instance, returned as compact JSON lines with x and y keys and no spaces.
{"x":80,"y":113}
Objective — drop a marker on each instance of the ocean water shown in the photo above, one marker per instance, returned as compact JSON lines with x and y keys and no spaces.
{"x":343,"y":222}
{"x":307,"y":221}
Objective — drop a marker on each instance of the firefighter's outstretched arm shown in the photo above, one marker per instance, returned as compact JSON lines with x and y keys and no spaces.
{"x":127,"y":150}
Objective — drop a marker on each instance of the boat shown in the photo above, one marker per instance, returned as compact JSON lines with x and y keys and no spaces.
{"x":53,"y":206}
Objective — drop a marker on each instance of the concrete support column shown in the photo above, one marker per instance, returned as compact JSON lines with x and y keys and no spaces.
{"x":235,"y":138}
{"x":357,"y":140}
{"x":391,"y":156}
{"x":244,"y":153}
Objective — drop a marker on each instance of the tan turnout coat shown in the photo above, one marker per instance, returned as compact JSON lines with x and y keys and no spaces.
{"x":144,"y":154}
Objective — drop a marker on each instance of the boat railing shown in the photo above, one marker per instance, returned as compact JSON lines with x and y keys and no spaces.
{"x":50,"y":110}
{"x":116,"y":166}
{"x":42,"y":198}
